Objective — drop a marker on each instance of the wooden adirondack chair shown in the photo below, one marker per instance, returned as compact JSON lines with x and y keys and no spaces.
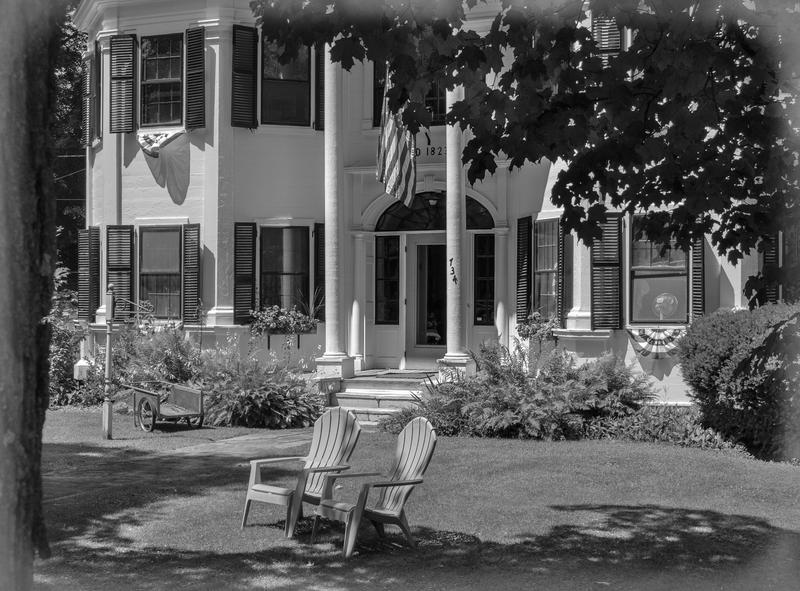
{"x":335,"y":435}
{"x":415,"y":446}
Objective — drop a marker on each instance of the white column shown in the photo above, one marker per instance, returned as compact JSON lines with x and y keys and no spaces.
{"x":456,"y":356}
{"x":335,"y":362}
{"x":580,"y":316}
{"x":219,"y":171}
{"x":501,"y":284}
{"x":358,"y":309}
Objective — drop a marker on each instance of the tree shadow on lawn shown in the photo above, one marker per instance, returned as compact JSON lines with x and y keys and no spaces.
{"x":613,"y":546}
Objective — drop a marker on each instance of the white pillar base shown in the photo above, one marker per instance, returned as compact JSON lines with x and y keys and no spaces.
{"x":220,"y":316}
{"x":463,"y":365}
{"x":335,"y":366}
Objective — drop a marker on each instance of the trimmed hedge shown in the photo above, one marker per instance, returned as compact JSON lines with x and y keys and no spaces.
{"x":742,"y":368}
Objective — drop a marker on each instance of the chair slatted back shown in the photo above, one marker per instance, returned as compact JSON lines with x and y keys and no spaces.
{"x":415,"y":446}
{"x":335,"y":435}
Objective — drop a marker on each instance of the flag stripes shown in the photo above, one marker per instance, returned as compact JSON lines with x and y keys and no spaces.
{"x":397,"y":166}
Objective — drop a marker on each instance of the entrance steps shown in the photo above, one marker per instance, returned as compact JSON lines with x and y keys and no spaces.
{"x":375,"y":394}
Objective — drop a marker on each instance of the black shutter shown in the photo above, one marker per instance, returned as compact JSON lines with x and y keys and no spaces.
{"x":191,"y":273}
{"x":606,"y":258}
{"x":770,"y":271}
{"x":97,"y":93}
{"x":319,"y":87}
{"x":698,"y":278}
{"x":87,"y":92}
{"x":562,"y":313}
{"x":524,"y":227}
{"x":88,"y":272}
{"x":119,"y":267}
{"x":123,"y":63}
{"x":319,"y":272}
{"x":245,"y":66}
{"x":195,"y":78}
{"x":244,"y":271}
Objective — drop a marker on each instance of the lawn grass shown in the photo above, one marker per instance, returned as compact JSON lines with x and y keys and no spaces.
{"x":492,"y":514}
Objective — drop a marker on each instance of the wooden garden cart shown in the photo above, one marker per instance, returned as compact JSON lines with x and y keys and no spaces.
{"x":171,"y":403}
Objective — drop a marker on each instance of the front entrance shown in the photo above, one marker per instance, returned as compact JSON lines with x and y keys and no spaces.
{"x":426,"y":317}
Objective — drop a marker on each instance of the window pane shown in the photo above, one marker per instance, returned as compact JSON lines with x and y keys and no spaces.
{"x":659,"y":281}
{"x":387,"y":279}
{"x":163,"y":291}
{"x":162,"y":102}
{"x":161,"y":250}
{"x":295,"y":70}
{"x":484,"y":280}
{"x":659,"y":298}
{"x":285,"y":102}
{"x":285,"y":267}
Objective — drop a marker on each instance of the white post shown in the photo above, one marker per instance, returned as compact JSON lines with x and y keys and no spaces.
{"x":107,"y":404}
{"x":456,"y":356}
{"x":335,"y":362}
{"x":501,"y":284}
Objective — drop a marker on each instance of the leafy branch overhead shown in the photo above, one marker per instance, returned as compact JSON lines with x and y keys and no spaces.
{"x":694,"y":121}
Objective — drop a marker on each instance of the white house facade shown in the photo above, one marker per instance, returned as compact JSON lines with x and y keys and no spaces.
{"x":219,"y":181}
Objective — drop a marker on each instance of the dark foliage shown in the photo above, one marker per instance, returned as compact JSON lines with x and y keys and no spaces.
{"x":742,"y":367}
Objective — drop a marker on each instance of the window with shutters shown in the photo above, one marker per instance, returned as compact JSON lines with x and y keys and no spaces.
{"x":659,"y":281}
{"x":387,"y":280}
{"x":285,"y":269}
{"x":285,"y":88}
{"x":484,"y":280}
{"x":545,"y":268}
{"x":162,"y":80}
{"x":160,"y":270}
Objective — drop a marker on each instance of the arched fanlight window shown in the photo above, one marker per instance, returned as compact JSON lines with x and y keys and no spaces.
{"x":427,"y":212}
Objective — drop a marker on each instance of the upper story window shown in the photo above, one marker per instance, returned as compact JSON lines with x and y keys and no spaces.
{"x":159,"y":84}
{"x":659,"y":282}
{"x":434,"y":100}
{"x":162,"y":80}
{"x":285,"y":88}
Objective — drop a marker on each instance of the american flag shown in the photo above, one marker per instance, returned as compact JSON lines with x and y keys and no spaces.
{"x":397,"y":165}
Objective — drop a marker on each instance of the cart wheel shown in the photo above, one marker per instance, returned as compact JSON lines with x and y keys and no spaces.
{"x":147,"y":416}
{"x":195,"y":422}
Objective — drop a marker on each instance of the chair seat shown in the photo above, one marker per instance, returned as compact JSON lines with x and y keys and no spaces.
{"x":333,"y":510}
{"x":277,"y":495}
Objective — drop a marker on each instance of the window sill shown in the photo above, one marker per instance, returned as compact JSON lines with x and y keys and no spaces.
{"x":285,"y":130}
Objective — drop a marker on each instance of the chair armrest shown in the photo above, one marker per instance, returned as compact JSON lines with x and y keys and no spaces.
{"x":318,"y":469}
{"x":329,"y":479}
{"x":276,"y":460}
{"x":255,"y":466}
{"x":385,"y":483}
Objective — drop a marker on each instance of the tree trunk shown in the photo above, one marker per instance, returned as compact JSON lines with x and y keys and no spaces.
{"x":29,"y":42}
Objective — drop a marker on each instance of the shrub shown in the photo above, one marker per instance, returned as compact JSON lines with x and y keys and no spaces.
{"x":679,"y":425}
{"x":277,"y":320}
{"x":65,"y":338}
{"x":245,"y":391}
{"x":503,"y":400}
{"x":745,"y":388}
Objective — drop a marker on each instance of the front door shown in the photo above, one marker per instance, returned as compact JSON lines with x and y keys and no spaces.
{"x":426,"y":318}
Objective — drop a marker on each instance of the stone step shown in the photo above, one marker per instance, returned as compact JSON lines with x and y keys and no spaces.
{"x":371,"y":416}
{"x":383,"y":384}
{"x":373,"y":398}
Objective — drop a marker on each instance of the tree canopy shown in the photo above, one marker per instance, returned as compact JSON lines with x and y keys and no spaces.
{"x":692,"y":124}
